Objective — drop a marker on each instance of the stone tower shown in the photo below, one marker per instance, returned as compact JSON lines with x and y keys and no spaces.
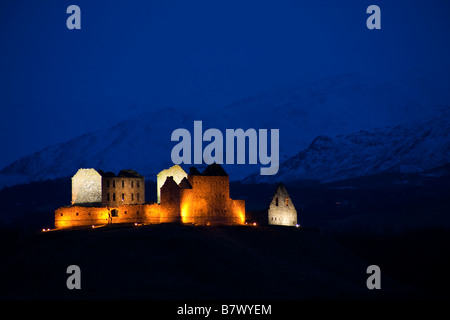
{"x":170,"y":201}
{"x":175,"y":171}
{"x":199,"y":198}
{"x":281,"y":209}
{"x":87,"y":187}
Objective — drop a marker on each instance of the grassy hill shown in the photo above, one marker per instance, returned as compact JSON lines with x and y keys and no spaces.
{"x":186,"y":262}
{"x":403,"y":228}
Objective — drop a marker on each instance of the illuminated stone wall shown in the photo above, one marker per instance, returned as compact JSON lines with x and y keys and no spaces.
{"x":146,"y":213}
{"x":209,"y":203}
{"x":281,"y":209}
{"x":152,"y":213}
{"x":170,"y":201}
{"x":86,"y":187}
{"x":80,"y":216}
{"x":175,"y":171}
{"x":67,"y":217}
{"x":238,"y":207}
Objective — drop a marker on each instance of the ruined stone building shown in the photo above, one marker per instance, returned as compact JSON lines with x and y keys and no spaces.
{"x":176,"y":172}
{"x":91,"y":187}
{"x":100,"y":198}
{"x":281,"y":209}
{"x":205,"y":198}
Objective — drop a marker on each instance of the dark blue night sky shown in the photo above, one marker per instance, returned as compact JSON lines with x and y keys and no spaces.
{"x":133,"y":56}
{"x":356,"y":121}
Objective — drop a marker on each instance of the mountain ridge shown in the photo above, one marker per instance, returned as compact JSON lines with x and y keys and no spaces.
{"x":339,"y":105}
{"x":411,"y":148}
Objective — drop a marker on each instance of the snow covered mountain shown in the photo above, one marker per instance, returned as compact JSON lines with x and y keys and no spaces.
{"x":141,"y":143}
{"x":408,"y":148}
{"x":304,"y":113}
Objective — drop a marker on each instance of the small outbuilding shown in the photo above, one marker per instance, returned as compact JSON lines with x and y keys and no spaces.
{"x":281,"y":209}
